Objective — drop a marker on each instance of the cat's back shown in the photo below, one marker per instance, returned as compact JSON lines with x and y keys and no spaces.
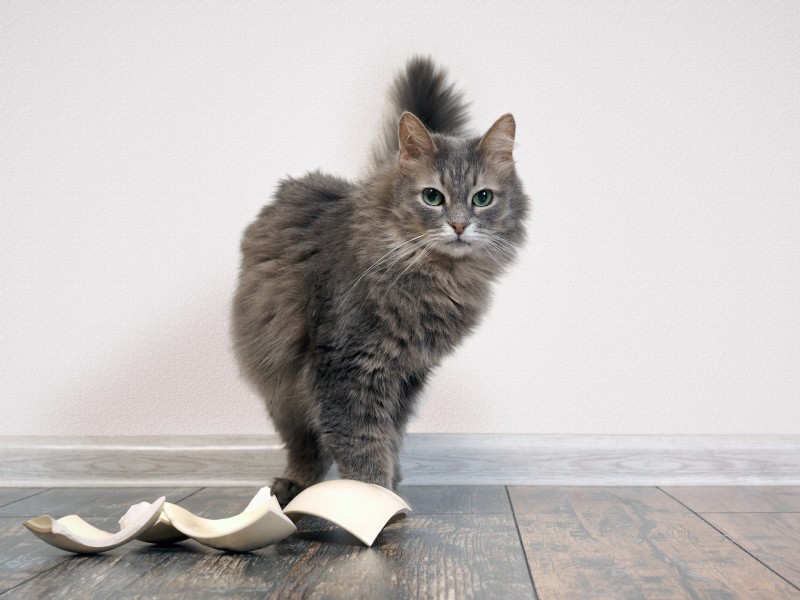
{"x":284,"y":252}
{"x":304,"y":211}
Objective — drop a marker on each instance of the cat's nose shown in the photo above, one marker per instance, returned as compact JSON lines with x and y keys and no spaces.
{"x":458,"y":227}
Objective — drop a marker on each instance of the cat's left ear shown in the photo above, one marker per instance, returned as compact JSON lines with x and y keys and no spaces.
{"x":415,"y":141}
{"x":498,"y":142}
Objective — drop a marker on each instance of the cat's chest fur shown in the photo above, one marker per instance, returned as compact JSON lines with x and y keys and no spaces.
{"x":422,"y":315}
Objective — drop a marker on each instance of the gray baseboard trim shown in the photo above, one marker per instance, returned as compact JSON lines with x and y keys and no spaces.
{"x":428,"y":459}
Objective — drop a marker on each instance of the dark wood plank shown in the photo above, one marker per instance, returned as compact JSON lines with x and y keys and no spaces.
{"x":426,"y":556}
{"x":456,"y":499}
{"x":717,"y":499}
{"x":23,"y":556}
{"x":347,"y":570}
{"x":632,"y":543}
{"x":773,"y":538}
{"x":9,"y":495}
{"x":423,"y":556}
{"x":88,"y":502}
{"x":187,"y":570}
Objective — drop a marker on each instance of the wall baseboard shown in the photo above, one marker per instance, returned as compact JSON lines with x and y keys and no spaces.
{"x":428,"y":459}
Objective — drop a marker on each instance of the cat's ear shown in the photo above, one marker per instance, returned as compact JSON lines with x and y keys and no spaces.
{"x":498,"y":142}
{"x":415,"y":141}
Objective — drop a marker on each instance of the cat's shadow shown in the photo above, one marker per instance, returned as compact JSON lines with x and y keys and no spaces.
{"x":314,"y":529}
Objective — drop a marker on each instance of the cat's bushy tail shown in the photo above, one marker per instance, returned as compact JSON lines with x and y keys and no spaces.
{"x":423,"y":89}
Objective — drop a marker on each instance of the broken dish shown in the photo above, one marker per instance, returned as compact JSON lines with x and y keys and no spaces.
{"x":363,"y":509}
{"x":360,"y":508}
{"x":162,"y":531}
{"x":260,"y":524}
{"x":73,"y":534}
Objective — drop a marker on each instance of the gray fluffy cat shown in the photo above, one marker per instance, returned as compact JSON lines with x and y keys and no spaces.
{"x":350,"y":292}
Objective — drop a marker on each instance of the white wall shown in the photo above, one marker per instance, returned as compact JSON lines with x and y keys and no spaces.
{"x":660,"y":142}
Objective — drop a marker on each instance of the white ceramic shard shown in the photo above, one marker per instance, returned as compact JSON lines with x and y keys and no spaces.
{"x":74,"y":534}
{"x":363,"y":509}
{"x":260,"y":524}
{"x":162,"y":531}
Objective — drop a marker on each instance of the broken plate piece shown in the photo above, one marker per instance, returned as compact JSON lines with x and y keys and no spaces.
{"x":74,"y":534}
{"x":363,"y":509}
{"x":162,"y":531}
{"x":260,"y":524}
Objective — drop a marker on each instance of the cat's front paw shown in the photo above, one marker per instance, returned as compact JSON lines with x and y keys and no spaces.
{"x":285,"y":490}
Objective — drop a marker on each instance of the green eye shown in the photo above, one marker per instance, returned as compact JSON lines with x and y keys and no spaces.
{"x":432,"y":196}
{"x":483,"y":198}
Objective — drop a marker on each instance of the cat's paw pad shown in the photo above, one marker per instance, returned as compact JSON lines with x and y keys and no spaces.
{"x":285,"y":490}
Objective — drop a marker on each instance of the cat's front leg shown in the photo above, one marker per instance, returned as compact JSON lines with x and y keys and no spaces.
{"x":356,"y":426}
{"x":361,"y":448}
{"x":398,"y":474}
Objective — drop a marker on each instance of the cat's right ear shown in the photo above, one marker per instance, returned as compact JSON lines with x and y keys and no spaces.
{"x":415,"y":141}
{"x":499,"y":140}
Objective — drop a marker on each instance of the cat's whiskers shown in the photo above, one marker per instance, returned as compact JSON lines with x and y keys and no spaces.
{"x":374,"y":265}
{"x":386,"y":268}
{"x":403,"y":255}
{"x":503,"y":252}
{"x":504,"y":242}
{"x":500,"y":246}
{"x":489,"y":248}
{"x":406,"y":253}
{"x":493,"y":245}
{"x":428,"y":241}
{"x":424,"y":252}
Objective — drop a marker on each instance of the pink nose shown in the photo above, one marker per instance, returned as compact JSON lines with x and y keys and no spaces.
{"x":458,"y":227}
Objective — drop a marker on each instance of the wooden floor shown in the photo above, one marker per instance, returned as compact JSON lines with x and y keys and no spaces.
{"x":460,"y":542}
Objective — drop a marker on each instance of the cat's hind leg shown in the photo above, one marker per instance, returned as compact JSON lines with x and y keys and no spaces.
{"x":307,"y":461}
{"x":306,"y":464}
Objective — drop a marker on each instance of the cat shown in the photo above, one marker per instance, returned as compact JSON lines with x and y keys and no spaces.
{"x":351,"y":292}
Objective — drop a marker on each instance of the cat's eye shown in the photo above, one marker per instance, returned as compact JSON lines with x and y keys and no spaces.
{"x":483,"y":198}
{"x":432,"y":197}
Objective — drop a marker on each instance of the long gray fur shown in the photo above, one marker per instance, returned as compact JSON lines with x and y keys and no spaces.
{"x":423,"y":90}
{"x":350,"y":293}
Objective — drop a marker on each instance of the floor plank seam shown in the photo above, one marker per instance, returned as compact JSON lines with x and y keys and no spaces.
{"x":731,"y":540}
{"x":55,"y":566}
{"x":522,"y":544}
{"x":25,"y":498}
{"x":189,"y":495}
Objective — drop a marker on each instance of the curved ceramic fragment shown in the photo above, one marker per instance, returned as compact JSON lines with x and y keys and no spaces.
{"x":74,"y":534}
{"x":162,"y":531}
{"x":260,"y":524}
{"x":363,"y":509}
